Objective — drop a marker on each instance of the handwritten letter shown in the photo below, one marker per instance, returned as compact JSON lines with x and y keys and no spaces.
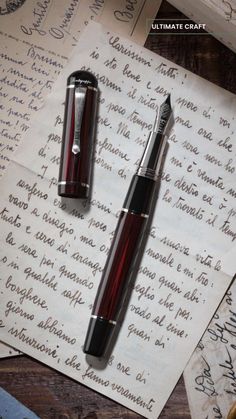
{"x":210,"y":375}
{"x":33,"y":54}
{"x":28,"y":70}
{"x":53,"y":251}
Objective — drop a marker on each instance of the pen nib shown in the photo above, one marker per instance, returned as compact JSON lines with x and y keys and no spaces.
{"x":167,"y":101}
{"x":163,"y":116}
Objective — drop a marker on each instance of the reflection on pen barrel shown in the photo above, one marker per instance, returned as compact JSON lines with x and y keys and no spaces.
{"x":78,"y":135}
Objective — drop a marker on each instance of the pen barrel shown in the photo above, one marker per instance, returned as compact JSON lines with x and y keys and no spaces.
{"x":124,"y":248}
{"x":76,"y":164}
{"x":120,"y":262}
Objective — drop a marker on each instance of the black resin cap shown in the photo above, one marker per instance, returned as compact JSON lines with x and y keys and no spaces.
{"x":98,"y":336}
{"x":82,"y":77}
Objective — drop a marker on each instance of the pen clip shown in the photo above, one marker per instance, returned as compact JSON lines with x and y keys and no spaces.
{"x":80,"y":95}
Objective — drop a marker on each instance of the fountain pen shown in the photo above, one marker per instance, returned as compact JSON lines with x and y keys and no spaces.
{"x":127,"y":239}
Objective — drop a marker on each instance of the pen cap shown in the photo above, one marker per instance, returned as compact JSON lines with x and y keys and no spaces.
{"x":78,"y":135}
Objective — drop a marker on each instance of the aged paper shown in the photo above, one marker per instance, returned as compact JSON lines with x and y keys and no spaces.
{"x":219,"y":16}
{"x":7,"y":351}
{"x":210,"y":375}
{"x":36,"y":48}
{"x":53,"y":251}
{"x":227,"y":8}
{"x":34,"y":51}
{"x":131,"y":19}
{"x":51,"y":24}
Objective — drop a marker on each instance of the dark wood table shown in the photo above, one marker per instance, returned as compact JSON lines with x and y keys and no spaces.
{"x":52,"y":395}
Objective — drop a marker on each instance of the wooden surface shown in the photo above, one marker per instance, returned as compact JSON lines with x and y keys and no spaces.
{"x":50,"y":394}
{"x":201,"y":54}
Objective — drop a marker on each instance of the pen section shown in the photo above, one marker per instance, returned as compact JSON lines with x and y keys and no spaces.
{"x":140,"y":194}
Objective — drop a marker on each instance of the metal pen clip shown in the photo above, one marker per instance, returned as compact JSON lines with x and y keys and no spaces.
{"x":80,"y":95}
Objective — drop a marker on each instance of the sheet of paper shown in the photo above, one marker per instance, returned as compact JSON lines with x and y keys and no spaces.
{"x":7,"y":351}
{"x":131,"y":19}
{"x":53,"y":251}
{"x":226,"y":8}
{"x":53,"y":25}
{"x":210,"y":375}
{"x":10,"y":408}
{"x":36,"y":48}
{"x":219,"y":16}
{"x":33,"y":53}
